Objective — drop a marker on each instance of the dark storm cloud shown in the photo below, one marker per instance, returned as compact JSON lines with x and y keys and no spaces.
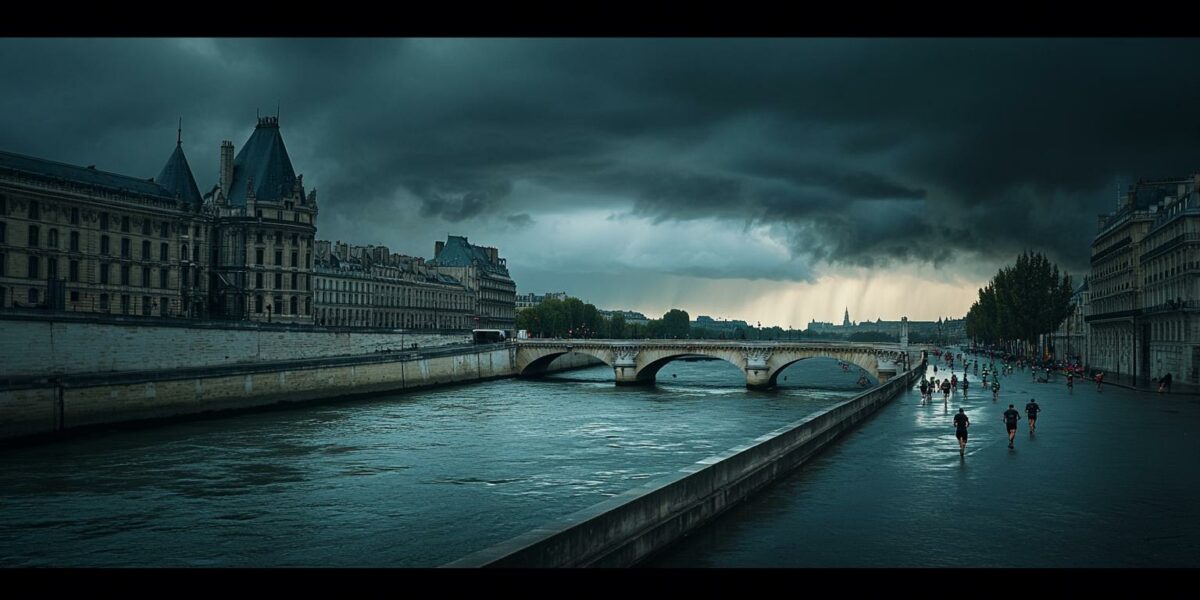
{"x":863,"y":151}
{"x":520,"y":221}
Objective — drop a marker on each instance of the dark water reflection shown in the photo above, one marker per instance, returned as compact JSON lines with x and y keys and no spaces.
{"x":406,"y":480}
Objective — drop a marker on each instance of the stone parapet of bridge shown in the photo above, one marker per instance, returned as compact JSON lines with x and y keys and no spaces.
{"x":637,"y":362}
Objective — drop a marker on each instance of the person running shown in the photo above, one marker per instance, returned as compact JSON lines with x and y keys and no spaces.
{"x":961,"y":423}
{"x":924,"y":389}
{"x":995,"y":389}
{"x":1031,"y":410}
{"x":1164,"y":384}
{"x":935,"y":369}
{"x":946,"y":389}
{"x":1099,"y":380}
{"x":1071,"y":382}
{"x":1011,"y":417}
{"x":953,"y":381}
{"x":965,"y":384}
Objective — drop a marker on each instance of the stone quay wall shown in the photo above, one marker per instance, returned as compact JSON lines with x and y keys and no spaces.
{"x":33,"y":410}
{"x":632,"y":526}
{"x":34,"y":346}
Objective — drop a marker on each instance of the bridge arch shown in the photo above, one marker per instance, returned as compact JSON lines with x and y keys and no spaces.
{"x":648,"y":373}
{"x":536,"y":367}
{"x":872,"y":370}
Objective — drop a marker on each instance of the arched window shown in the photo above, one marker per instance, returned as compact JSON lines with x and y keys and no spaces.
{"x":183,"y":252}
{"x":258,"y":304}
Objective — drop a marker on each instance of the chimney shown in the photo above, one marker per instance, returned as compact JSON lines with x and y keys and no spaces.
{"x":437,"y":248}
{"x":226,"y":166}
{"x":494,"y":255}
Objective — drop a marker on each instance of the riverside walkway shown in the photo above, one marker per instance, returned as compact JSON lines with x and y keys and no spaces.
{"x":1109,"y":480}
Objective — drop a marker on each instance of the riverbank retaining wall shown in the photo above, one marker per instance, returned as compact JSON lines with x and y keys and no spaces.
{"x":37,"y":346}
{"x":634,"y":525}
{"x":37,"y":409}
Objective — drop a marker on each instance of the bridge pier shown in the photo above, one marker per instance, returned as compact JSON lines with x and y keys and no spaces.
{"x":758,"y":379}
{"x":629,"y":375}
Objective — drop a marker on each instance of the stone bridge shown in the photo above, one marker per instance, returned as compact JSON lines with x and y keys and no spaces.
{"x":636,"y":362}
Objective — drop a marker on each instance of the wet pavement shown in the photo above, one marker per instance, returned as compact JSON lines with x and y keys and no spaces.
{"x":1110,"y":479}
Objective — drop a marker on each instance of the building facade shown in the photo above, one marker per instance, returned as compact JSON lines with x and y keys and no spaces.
{"x":524,"y":301}
{"x":84,"y":240}
{"x":1145,"y":284}
{"x":483,"y":272}
{"x":80,"y":239}
{"x":1070,"y":341}
{"x":367,"y":286}
{"x":950,"y":329}
{"x":265,"y":226}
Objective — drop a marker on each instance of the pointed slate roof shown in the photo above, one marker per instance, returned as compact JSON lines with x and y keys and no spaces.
{"x":176,"y":177}
{"x":458,"y":252}
{"x":55,"y":171}
{"x":264,"y":161}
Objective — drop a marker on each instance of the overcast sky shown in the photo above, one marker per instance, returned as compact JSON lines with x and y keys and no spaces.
{"x":767,"y":180}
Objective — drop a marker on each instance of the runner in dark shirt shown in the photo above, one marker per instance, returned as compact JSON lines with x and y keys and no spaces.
{"x":1032,"y":409}
{"x":1011,"y":417}
{"x":961,"y":423}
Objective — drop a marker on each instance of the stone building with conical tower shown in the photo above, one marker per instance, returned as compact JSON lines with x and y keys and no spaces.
{"x":264,"y":227}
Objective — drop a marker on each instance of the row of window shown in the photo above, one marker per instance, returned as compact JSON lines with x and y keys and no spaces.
{"x":33,"y":270}
{"x":33,"y":297}
{"x":277,"y":305}
{"x":34,"y":212}
{"x":393,"y":296}
{"x":259,"y":237}
{"x":258,"y":259}
{"x":33,"y":239}
{"x":1170,"y":331}
{"x":303,"y":280}
{"x":349,"y":317}
{"x":297,"y":217}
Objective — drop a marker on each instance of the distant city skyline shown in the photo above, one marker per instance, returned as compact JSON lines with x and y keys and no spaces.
{"x":780,"y":178}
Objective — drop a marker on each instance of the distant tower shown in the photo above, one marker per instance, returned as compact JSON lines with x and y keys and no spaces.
{"x":846,"y":318}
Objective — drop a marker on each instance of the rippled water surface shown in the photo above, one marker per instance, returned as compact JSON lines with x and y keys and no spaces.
{"x":415,"y":479}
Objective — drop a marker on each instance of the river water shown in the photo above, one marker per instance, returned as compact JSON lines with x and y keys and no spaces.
{"x":411,"y":479}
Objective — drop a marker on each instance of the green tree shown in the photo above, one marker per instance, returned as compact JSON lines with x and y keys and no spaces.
{"x":675,"y":324}
{"x":616,"y":327}
{"x":1023,"y":301}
